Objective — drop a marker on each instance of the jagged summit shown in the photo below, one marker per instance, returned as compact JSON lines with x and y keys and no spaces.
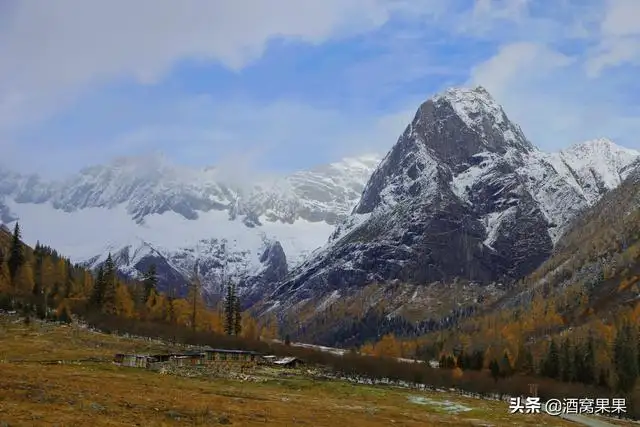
{"x":603,"y":146}
{"x":482,"y":113}
{"x":461,"y":195}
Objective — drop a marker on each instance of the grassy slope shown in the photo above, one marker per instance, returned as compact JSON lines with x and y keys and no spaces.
{"x":102,"y":394}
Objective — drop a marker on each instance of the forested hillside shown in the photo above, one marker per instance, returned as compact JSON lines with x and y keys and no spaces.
{"x":41,"y":282}
{"x":575,"y":319}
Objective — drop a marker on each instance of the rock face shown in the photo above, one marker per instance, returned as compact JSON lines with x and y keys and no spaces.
{"x":274,"y":270}
{"x":462,"y":194}
{"x":145,"y":209}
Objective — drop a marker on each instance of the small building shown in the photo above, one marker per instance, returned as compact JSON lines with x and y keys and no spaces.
{"x":288,"y":362}
{"x":133,"y":360}
{"x":188,"y":359}
{"x":212,"y":355}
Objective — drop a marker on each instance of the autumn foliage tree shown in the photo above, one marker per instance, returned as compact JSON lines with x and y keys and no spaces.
{"x":56,"y":288}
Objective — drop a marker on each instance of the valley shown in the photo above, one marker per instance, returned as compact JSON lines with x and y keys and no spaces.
{"x":465,"y":246}
{"x":100,"y":393}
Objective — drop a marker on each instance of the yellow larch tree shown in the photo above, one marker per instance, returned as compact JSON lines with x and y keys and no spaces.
{"x":23,"y":283}
{"x":249,"y":327}
{"x":388,"y":346}
{"x":124,"y":305}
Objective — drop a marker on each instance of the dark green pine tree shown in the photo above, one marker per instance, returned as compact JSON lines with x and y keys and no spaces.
{"x":551,"y":367}
{"x":228,"y":310}
{"x":504,"y":366}
{"x":584,"y":362}
{"x":567,"y":365}
{"x":524,"y":361}
{"x":237,"y":315}
{"x":98,"y":289}
{"x":110,"y":278}
{"x":38,"y":255}
{"x":478,"y":360}
{"x":150,"y":282}
{"x":16,"y":253}
{"x":461,"y":360}
{"x":626,"y":358}
{"x":494,"y":368}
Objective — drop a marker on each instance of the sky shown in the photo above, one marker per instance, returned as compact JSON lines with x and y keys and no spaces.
{"x":282,"y":85}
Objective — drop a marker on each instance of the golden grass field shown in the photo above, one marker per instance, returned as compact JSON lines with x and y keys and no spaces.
{"x":102,"y":394}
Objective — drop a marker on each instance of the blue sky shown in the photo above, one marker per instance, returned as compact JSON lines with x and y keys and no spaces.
{"x":282,"y":85}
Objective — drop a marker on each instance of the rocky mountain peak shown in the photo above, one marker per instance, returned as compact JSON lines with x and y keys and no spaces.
{"x":475,"y":110}
{"x":462,"y":195}
{"x":446,"y":136}
{"x":603,"y":149}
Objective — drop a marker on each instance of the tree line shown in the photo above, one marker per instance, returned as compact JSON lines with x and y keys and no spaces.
{"x":41,"y":282}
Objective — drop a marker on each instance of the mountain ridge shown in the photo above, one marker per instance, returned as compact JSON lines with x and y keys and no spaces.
{"x":175,"y":211}
{"x":462,"y":195}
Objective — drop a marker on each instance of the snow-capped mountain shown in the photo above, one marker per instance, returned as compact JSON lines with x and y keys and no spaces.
{"x":145,"y":209}
{"x":461,"y":195}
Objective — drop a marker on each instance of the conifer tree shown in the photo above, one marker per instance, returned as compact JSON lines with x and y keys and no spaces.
{"x":16,"y":252}
{"x":494,"y":367}
{"x":237,"y":316}
{"x":110,"y":283}
{"x":150,"y":282}
{"x":478,"y":360}
{"x":552,"y":362}
{"x":524,"y":361}
{"x":170,"y":306}
{"x":98,"y":288}
{"x":589,"y":365}
{"x":505,"y":365}
{"x":229,"y":306}
{"x":567,"y":365}
{"x":626,"y":358}
{"x":195,"y":295}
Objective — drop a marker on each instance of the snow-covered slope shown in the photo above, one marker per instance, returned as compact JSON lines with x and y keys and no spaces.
{"x":462,"y":194}
{"x":144,"y":208}
{"x":461,"y":174}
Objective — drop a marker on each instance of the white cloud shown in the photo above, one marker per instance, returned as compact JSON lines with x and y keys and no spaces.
{"x":619,"y":37}
{"x":555,"y":102}
{"x":247,"y":136}
{"x":622,"y":18}
{"x":53,"y":48}
{"x":52,"y":51}
{"x":517,"y":63}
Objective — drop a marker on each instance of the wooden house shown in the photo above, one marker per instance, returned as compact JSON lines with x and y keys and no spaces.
{"x":213,"y":355}
{"x":288,"y":362}
{"x":133,"y":360}
{"x":188,"y":359}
